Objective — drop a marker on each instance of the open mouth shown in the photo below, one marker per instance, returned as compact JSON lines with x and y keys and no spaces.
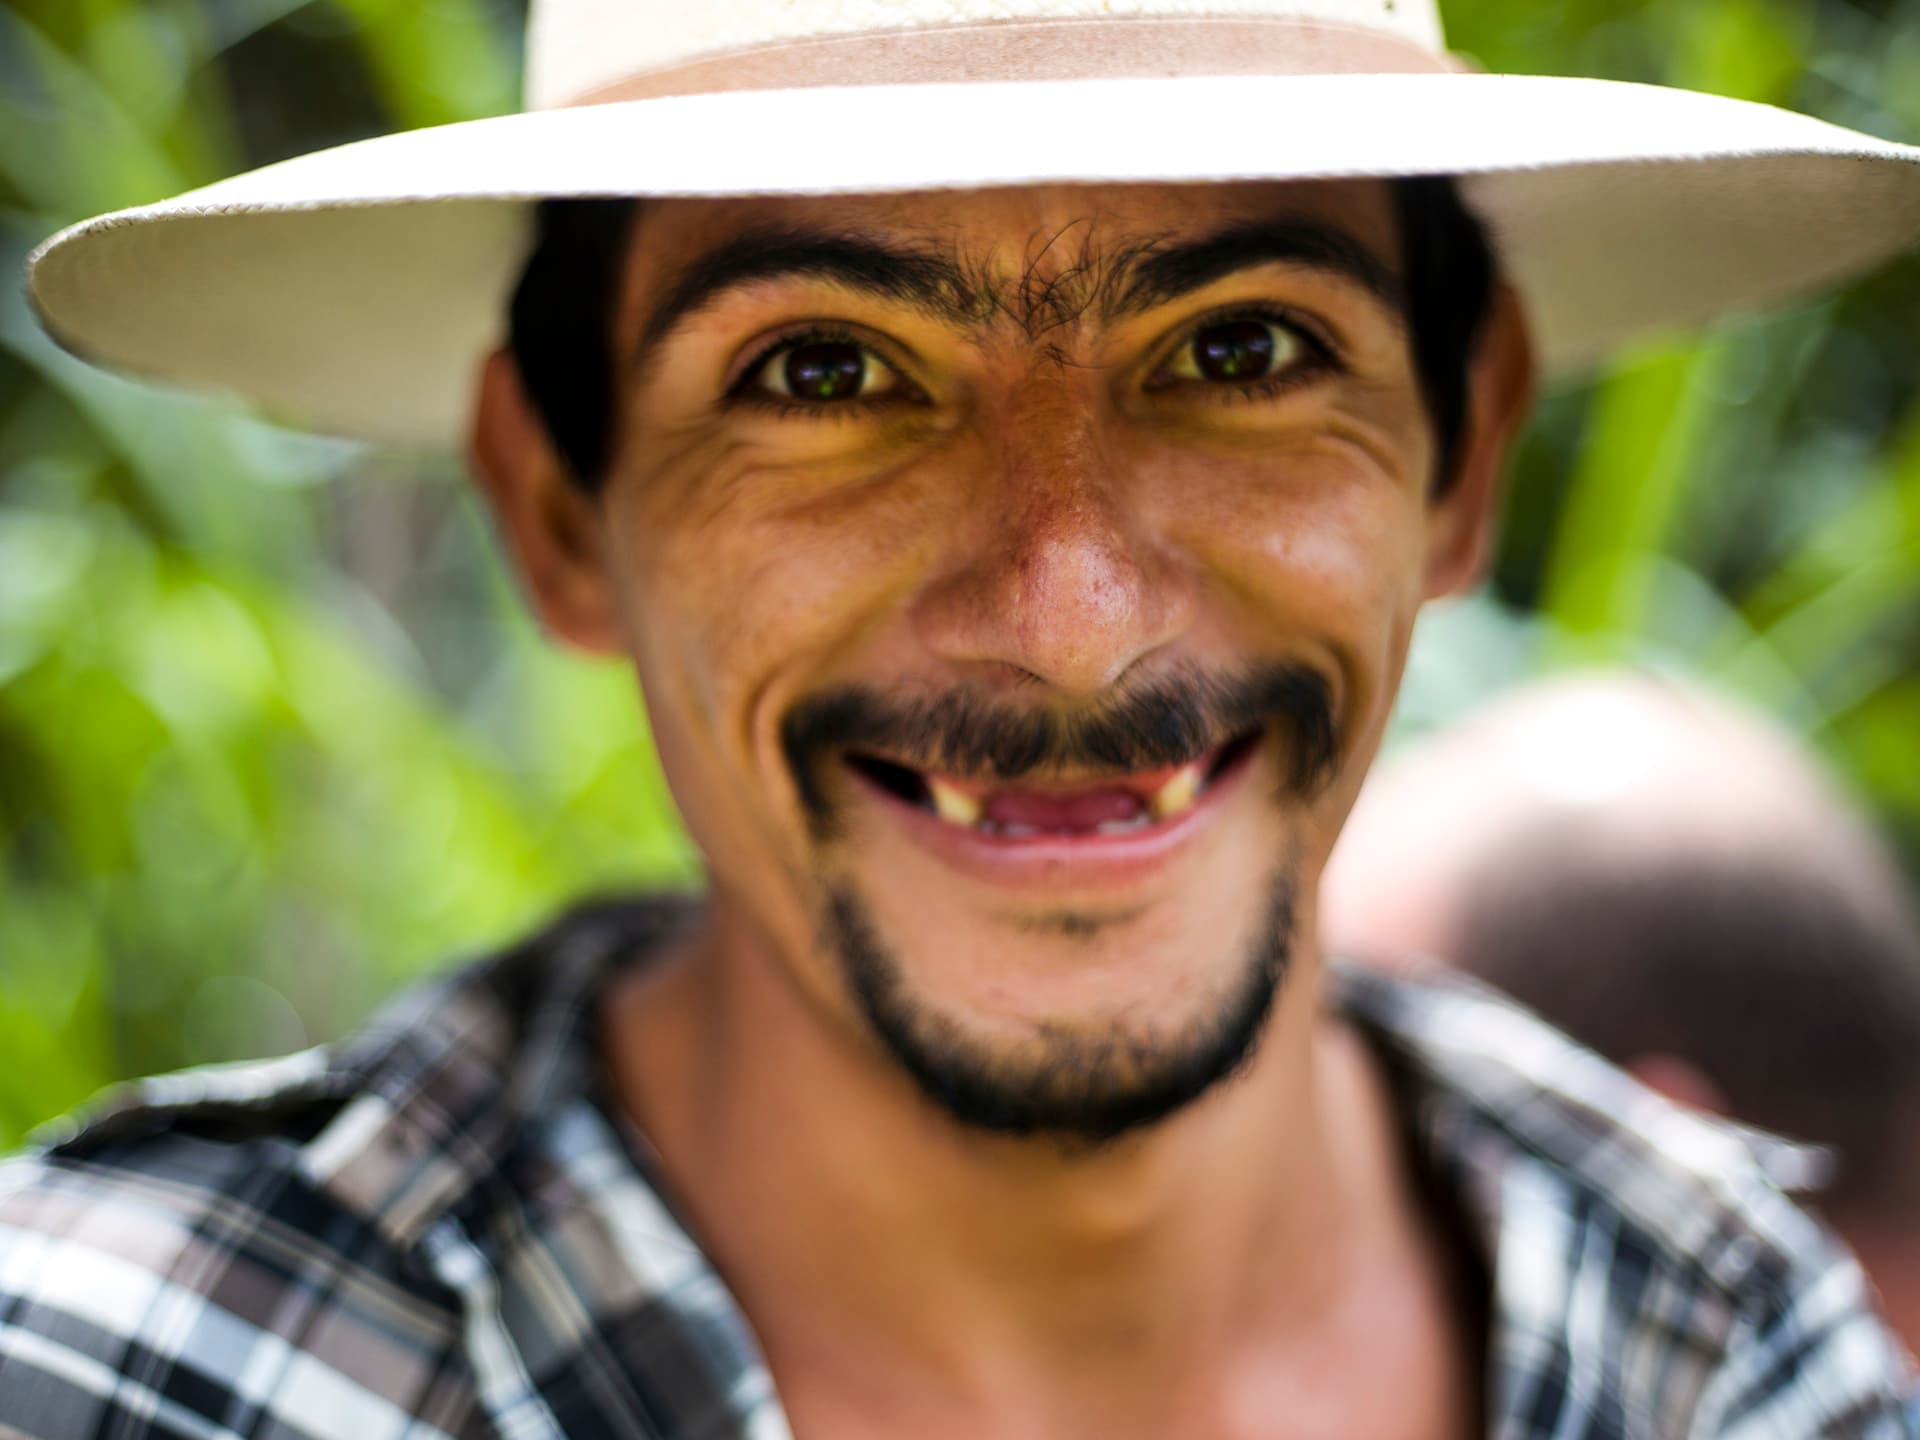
{"x":1119,"y":804}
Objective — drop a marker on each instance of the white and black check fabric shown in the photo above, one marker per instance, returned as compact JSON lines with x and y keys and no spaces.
{"x":437,"y":1229}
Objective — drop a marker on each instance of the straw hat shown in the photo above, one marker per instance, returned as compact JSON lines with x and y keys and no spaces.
{"x":356,"y":289}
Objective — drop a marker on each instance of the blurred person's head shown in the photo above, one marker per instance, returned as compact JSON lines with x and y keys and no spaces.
{"x":1680,"y":887}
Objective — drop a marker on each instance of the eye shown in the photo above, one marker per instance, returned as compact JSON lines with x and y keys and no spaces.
{"x":822,"y":369}
{"x":1236,"y":351}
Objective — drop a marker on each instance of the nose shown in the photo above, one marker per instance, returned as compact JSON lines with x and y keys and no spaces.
{"x":1062,"y":573}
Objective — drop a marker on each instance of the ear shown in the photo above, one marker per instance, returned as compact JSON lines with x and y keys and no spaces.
{"x":550,"y":525}
{"x":1499,"y":393}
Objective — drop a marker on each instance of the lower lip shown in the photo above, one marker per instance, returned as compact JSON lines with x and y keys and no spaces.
{"x":1056,"y":862}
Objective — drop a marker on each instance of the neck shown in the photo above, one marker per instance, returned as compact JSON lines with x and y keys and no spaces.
{"x":882,"y":1248}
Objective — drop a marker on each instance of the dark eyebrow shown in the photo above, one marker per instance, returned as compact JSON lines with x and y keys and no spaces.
{"x":923,"y":278}
{"x":939,"y":285}
{"x":1168,"y":271}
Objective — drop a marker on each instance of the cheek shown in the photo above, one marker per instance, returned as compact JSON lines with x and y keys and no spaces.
{"x":1315,"y":530}
{"x":1344,"y":564}
{"x":1318,"y":543}
{"x":791,"y":589}
{"x":746,"y":585}
{"x":1324,"y":551}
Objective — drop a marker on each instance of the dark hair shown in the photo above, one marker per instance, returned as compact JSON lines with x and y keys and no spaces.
{"x":1791,"y":983}
{"x":560,"y":333}
{"x":1449,"y":277}
{"x":560,"y":326}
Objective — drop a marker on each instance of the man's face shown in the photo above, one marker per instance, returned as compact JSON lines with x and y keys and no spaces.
{"x":1019,"y":582}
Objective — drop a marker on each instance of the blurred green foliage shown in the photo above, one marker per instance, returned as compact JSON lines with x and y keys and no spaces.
{"x":275,"y":734}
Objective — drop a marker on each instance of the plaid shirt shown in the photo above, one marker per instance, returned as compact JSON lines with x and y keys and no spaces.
{"x":437,"y":1230}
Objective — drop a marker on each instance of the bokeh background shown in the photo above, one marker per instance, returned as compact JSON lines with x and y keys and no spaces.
{"x":275,"y":736}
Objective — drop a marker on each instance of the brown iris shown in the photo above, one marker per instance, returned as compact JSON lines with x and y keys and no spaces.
{"x":823,"y":370}
{"x":1234,"y":350}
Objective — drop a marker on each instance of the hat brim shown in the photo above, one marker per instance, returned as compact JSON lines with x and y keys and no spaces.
{"x":356,"y":289}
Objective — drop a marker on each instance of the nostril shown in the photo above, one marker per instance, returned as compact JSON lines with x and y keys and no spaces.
{"x":1069,"y":595}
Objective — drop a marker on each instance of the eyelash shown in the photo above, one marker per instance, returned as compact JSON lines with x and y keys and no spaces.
{"x":1322,"y":356}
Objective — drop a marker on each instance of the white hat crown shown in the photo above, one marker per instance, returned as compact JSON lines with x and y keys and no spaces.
{"x":581,"y":49}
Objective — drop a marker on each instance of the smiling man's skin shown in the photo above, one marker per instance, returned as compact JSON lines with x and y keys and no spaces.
{"x":1036,"y":500}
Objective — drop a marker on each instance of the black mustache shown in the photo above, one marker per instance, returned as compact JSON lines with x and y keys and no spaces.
{"x":1165,"y":722}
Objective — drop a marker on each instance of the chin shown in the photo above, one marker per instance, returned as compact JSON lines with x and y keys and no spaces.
{"x":1080,"y":1020}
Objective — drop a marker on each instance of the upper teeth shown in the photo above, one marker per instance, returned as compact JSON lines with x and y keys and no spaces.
{"x":1175,"y":796}
{"x":953,"y":805}
{"x":1178,"y":793}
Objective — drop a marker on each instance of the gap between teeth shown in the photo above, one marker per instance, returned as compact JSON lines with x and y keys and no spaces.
{"x":1175,"y":796}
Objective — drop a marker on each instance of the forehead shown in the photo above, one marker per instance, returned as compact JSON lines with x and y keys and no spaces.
{"x":1137,"y":213}
{"x":1044,"y":233}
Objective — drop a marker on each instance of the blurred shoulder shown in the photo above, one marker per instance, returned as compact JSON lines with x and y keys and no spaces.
{"x":1635,"y":1250}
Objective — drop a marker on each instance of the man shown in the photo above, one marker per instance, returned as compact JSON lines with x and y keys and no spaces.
{"x":1677,"y":885}
{"x":1014,"y":499}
